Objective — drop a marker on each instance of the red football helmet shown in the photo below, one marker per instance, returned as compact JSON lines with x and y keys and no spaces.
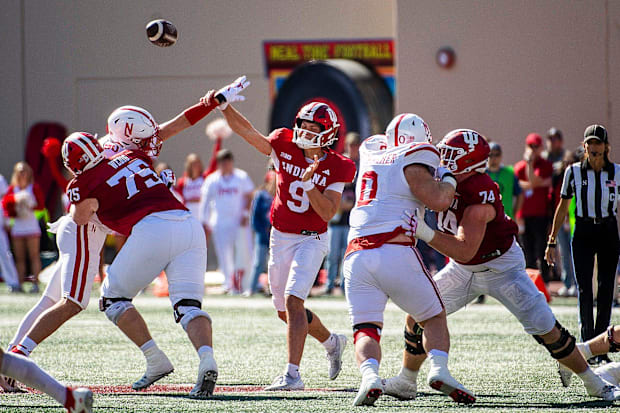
{"x":321,"y":114}
{"x":464,"y":150}
{"x":81,"y":151}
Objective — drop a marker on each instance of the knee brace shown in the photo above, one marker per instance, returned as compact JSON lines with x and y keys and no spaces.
{"x":614,"y":346}
{"x":309,"y":316}
{"x":186,"y":310}
{"x":562,"y":347}
{"x":413,"y":341}
{"x":366,"y":329}
{"x":114,"y":307}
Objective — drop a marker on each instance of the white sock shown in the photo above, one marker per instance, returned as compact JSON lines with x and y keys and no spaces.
{"x":585,"y":350}
{"x":407,"y":374}
{"x":369,"y":367}
{"x":292,"y":370}
{"x":26,"y":371}
{"x":30,"y":318}
{"x":438,"y":359}
{"x":204,"y":350}
{"x":330,"y":343}
{"x":27,"y":345}
{"x":150,"y":351}
{"x":590,"y":379}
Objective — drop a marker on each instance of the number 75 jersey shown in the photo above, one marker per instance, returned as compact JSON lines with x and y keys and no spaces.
{"x":382,"y":190}
{"x":126,"y":188}
{"x":291,"y":210}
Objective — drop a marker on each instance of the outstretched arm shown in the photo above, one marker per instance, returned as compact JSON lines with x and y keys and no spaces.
{"x":242,"y":127}
{"x":185,"y":119}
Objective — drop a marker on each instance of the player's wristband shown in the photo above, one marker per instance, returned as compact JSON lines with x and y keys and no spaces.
{"x":195,"y":113}
{"x":307,"y":185}
{"x":449,"y":179}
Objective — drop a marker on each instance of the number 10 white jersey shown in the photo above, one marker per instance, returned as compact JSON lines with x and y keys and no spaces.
{"x":382,"y":191}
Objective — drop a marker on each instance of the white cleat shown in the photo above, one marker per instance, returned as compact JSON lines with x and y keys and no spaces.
{"x":161,"y":369}
{"x":335,"y":357}
{"x":286,"y":382}
{"x":79,"y":400}
{"x":400,"y":388}
{"x":9,"y":385}
{"x":207,"y":376}
{"x":609,"y":372}
{"x":370,"y":390}
{"x":607,"y":392}
{"x":565,"y":373}
{"x":443,"y":382}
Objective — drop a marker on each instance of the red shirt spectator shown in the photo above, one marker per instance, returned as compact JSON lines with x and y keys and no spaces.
{"x":536,"y":190}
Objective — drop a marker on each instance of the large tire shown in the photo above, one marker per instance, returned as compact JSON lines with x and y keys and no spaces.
{"x":360,"y":97}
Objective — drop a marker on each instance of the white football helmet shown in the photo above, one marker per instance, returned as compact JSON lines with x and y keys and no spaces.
{"x":133,"y":127}
{"x":407,"y":128}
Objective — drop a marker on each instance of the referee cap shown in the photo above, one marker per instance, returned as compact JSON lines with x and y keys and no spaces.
{"x":595,"y":132}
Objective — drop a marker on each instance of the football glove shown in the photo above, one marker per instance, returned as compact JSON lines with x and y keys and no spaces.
{"x":230,"y":93}
{"x":416,"y":227}
{"x":168,"y":177}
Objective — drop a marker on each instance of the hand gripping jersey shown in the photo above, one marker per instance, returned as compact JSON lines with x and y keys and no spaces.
{"x":127,"y":190}
{"x":382,"y":191}
{"x":499,"y":234}
{"x":291,"y":210}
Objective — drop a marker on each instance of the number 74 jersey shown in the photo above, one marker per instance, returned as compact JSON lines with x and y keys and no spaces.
{"x":382,"y":190}
{"x":126,"y":188}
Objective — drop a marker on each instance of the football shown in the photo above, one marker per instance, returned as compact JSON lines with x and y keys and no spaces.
{"x":161,"y":33}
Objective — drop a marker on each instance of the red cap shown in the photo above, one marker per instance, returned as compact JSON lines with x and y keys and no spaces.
{"x":533,"y":139}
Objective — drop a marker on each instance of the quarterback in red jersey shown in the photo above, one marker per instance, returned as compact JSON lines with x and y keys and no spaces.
{"x":130,"y":198}
{"x":479,"y":238}
{"x":310,"y":181}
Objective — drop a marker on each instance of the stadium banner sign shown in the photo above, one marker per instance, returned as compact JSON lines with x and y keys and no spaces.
{"x":281,"y":57}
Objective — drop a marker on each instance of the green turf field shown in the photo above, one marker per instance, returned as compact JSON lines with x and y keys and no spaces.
{"x":491,"y":355}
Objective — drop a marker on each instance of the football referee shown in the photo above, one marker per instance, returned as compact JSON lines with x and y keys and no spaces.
{"x":594,"y":184}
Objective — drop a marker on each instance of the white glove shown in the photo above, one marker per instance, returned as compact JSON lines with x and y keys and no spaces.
{"x":168,"y":177}
{"x":230,"y":93}
{"x":416,"y":227}
{"x":446,"y":176}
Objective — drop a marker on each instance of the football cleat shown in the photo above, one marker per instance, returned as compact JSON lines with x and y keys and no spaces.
{"x":335,"y":357}
{"x":609,"y":372}
{"x":207,"y":376}
{"x":442,"y":381}
{"x":286,"y":382}
{"x":607,"y":392}
{"x":565,"y":373}
{"x":154,"y":372}
{"x":79,"y":400}
{"x":400,"y":388}
{"x":9,"y":385}
{"x":370,"y":390}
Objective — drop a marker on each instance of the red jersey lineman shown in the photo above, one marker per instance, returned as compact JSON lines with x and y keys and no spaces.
{"x":310,"y":181}
{"x":129,"y":198}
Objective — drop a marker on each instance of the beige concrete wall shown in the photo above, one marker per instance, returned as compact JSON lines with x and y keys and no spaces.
{"x":522,"y":66}
{"x":85,"y":58}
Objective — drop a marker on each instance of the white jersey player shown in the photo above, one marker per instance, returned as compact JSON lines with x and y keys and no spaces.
{"x":129,"y":127}
{"x":396,"y":171}
{"x":225,"y":199}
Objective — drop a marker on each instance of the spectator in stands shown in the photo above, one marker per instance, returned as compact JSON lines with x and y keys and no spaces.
{"x":534,"y":173}
{"x":188,"y":186}
{"x":504,"y":176}
{"x":261,"y":225}
{"x":560,"y":158}
{"x":7,"y":264}
{"x":225,"y":200}
{"x":20,"y":202}
{"x":338,"y":227}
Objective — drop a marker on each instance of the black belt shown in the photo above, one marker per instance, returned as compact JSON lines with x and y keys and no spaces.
{"x":596,"y":221}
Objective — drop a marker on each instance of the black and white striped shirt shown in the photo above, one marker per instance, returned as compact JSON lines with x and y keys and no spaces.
{"x":596,"y":192}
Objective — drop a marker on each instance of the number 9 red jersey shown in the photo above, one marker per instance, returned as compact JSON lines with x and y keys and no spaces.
{"x":127,"y":190}
{"x":291,"y":210}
